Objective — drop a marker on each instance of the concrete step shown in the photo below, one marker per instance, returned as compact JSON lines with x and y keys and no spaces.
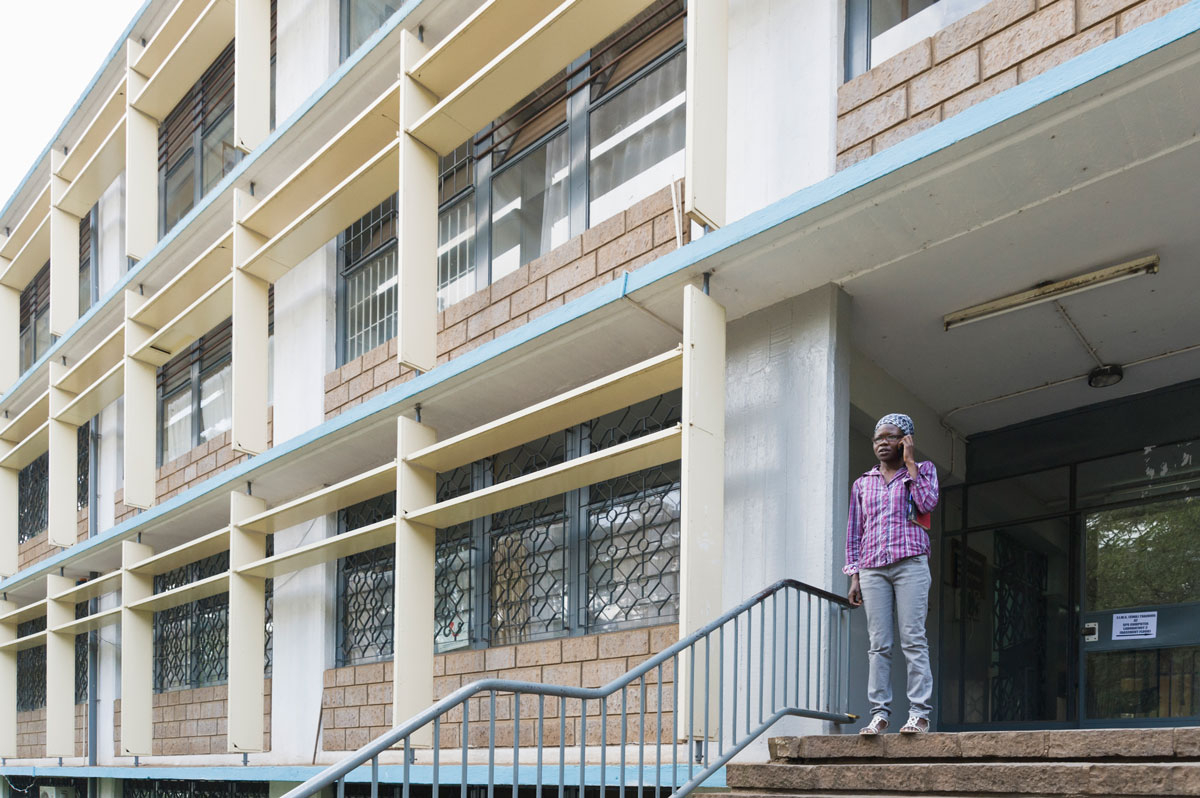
{"x":1163,"y":744}
{"x":911,"y":779}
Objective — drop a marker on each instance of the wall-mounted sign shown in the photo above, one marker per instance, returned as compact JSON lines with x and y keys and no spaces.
{"x":1135,"y":625}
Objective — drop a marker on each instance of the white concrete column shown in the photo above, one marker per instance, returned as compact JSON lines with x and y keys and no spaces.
{"x":307,"y":50}
{"x":247,"y":637}
{"x":788,"y":410}
{"x":60,"y":671}
{"x":416,"y":546}
{"x":10,"y":332}
{"x":137,"y":655}
{"x":8,"y":516}
{"x":64,"y":255}
{"x":8,"y":684}
{"x":784,"y":70}
{"x":252,"y":67}
{"x":110,"y":238}
{"x":140,"y":413}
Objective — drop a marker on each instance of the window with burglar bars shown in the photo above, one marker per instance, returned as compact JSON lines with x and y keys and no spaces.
{"x":33,"y":500}
{"x":156,"y":788}
{"x":601,"y":558}
{"x":504,"y":196}
{"x":83,"y":466}
{"x":81,"y":657}
{"x":366,"y":588}
{"x":367,"y":265}
{"x":195,"y":142}
{"x":191,"y":641}
{"x":34,"y":323}
{"x":31,"y":668}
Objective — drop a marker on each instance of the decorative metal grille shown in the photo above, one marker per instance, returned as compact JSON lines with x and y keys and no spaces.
{"x":603,"y":557}
{"x":31,"y":668}
{"x":1019,"y":630}
{"x":150,"y":788}
{"x":82,"y":463}
{"x":33,"y":488}
{"x":81,"y":657}
{"x":191,"y":642}
{"x":454,"y":583}
{"x":269,"y":616}
{"x":633,"y":526}
{"x":366,"y":588}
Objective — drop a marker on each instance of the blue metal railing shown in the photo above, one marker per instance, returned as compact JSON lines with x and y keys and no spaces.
{"x":780,"y":652}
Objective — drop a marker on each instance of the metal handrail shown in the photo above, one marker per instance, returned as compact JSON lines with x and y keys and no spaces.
{"x":771,"y":679}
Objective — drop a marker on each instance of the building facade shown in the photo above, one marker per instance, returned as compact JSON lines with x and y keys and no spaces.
{"x":353,"y":352}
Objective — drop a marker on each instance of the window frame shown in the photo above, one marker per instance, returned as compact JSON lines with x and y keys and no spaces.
{"x":37,"y":293}
{"x":478,"y":535}
{"x":579,"y":108}
{"x":198,"y":368}
{"x":191,"y":157}
{"x":347,"y":270}
{"x":92,"y":217}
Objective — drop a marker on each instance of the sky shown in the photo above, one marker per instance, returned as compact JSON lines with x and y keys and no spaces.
{"x":49,"y":52}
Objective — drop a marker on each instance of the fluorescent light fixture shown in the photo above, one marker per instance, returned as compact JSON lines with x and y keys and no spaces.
{"x":1049,"y":292}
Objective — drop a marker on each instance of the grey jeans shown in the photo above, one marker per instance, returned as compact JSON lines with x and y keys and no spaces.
{"x":903,"y":588}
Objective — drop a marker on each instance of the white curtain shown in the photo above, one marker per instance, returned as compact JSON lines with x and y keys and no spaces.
{"x":637,"y":140}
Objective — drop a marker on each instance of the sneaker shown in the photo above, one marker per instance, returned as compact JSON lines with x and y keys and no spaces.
{"x":878,"y":725}
{"x":915,"y":725}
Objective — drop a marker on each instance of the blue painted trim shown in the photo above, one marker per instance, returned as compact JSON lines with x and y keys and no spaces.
{"x":1182,"y":22}
{"x":137,"y":17}
{"x":215,"y":193}
{"x":392,"y":774}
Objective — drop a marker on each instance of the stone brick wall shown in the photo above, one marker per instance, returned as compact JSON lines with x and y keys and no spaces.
{"x":31,"y":733}
{"x":194,"y":721}
{"x":1002,"y":44}
{"x":627,"y":241}
{"x":191,"y":468}
{"x":38,"y":547}
{"x":358,"y":699}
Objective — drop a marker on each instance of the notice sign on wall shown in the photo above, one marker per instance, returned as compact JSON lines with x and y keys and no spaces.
{"x":1135,"y":626}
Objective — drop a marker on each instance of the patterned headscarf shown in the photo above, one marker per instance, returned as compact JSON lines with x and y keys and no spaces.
{"x":897,"y":420}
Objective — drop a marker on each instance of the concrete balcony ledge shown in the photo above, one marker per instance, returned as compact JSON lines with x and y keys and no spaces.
{"x":1157,"y":744}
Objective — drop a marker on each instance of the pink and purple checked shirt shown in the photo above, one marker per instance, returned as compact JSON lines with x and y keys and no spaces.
{"x":878,"y":532}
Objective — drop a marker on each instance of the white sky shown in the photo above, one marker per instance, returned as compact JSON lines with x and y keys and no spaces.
{"x":49,"y":51}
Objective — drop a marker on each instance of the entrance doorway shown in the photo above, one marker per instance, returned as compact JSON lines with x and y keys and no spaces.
{"x":1070,"y":595}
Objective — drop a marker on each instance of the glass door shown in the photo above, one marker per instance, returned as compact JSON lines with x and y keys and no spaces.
{"x":1140,"y":595}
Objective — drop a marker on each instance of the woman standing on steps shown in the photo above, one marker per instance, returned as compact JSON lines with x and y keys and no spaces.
{"x":887,"y":558}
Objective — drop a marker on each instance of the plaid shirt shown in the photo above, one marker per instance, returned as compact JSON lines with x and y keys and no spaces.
{"x":878,"y":531}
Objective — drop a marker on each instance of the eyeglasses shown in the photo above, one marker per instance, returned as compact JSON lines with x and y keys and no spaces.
{"x":888,"y":438}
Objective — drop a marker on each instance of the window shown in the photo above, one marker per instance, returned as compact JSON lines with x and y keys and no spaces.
{"x":366,"y":589}
{"x":361,"y":18}
{"x":876,"y":30}
{"x":81,"y":656}
{"x":194,"y":394}
{"x":590,"y":142}
{"x":31,"y":668}
{"x":195,"y":399}
{"x":34,"y":335}
{"x":367,"y":266}
{"x":191,"y":642}
{"x":195,"y":142}
{"x":89,"y":273}
{"x":274,"y":49}
{"x":33,"y":500}
{"x":601,"y":558}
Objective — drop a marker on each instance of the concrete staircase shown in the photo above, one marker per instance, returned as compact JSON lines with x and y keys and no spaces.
{"x":1031,"y":764}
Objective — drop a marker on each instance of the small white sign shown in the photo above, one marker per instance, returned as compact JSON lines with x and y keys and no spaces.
{"x":1135,"y":626}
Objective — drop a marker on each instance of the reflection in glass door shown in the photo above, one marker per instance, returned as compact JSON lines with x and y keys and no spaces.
{"x":1142,"y":561}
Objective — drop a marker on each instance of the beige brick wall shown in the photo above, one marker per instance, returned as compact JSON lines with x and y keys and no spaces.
{"x":194,"y":721}
{"x":38,"y":547}
{"x":1002,"y":44}
{"x":31,"y":734}
{"x":358,"y":699}
{"x":627,"y":241}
